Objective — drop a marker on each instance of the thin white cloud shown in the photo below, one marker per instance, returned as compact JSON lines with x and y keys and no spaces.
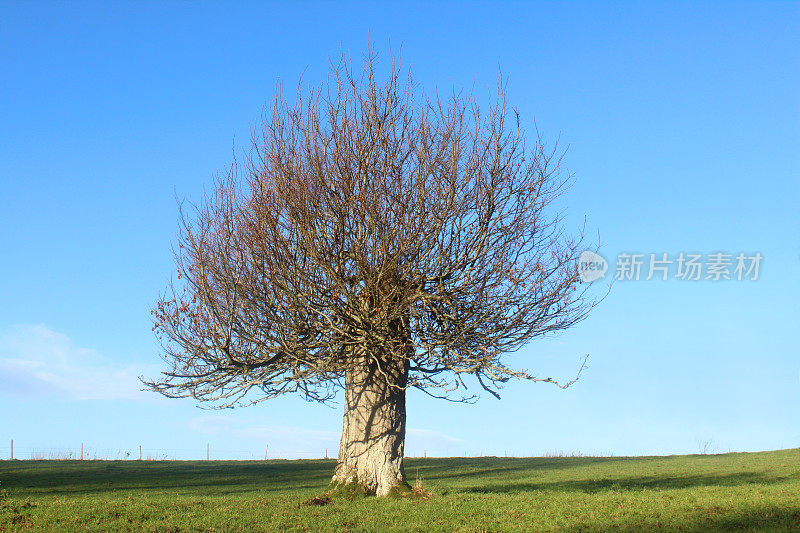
{"x":37,"y":361}
{"x":217,"y":424}
{"x":293,"y":441}
{"x":432,"y":443}
{"x":431,"y":436}
{"x":284,"y":441}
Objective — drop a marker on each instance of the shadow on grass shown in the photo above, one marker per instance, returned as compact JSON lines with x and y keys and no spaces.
{"x":629,"y":483}
{"x":457,"y":467}
{"x":28,"y":478}
{"x":763,"y":519}
{"x":484,"y":475}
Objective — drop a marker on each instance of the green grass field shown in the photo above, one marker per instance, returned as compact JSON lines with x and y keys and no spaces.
{"x":740,"y":491}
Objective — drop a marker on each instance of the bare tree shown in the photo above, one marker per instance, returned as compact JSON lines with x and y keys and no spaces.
{"x":376,"y":239}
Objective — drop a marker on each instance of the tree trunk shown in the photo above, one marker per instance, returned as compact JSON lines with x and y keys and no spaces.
{"x":374,"y":427}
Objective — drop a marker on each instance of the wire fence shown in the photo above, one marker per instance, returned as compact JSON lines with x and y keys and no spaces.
{"x":207,"y":451}
{"x":204,"y":451}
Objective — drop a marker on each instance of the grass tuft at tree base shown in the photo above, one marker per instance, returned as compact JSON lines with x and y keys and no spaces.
{"x":355,"y":490}
{"x":349,"y":491}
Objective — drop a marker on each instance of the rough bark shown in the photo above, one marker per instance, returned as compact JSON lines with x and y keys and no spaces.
{"x":374,"y":426}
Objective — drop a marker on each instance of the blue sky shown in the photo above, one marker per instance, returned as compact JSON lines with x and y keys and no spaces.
{"x":683,"y":126}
